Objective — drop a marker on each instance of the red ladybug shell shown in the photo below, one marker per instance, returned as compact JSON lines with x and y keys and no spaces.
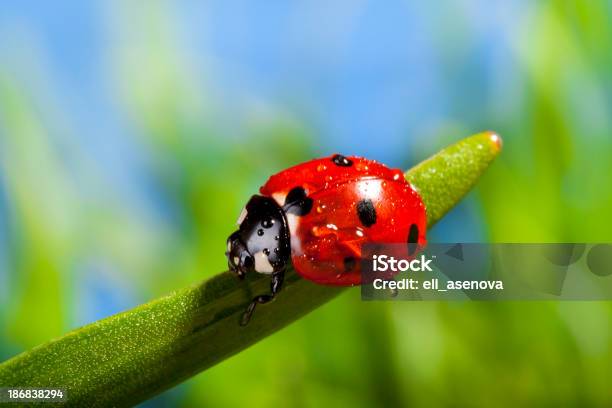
{"x":355,"y":201}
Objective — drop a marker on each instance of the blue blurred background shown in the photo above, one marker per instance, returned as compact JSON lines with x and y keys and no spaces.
{"x":131,"y":134}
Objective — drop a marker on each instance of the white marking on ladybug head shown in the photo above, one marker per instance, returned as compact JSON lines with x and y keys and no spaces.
{"x":279,"y":198}
{"x":236,"y":260}
{"x":293,"y":222}
{"x":262,"y":264}
{"x":242,"y":216}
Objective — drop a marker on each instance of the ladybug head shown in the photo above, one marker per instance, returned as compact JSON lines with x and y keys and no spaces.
{"x":261,"y":243}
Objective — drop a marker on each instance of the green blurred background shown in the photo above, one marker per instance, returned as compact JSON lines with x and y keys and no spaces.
{"x":131,"y":134}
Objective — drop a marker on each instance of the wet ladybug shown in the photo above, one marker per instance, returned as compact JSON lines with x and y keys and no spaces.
{"x":318,"y":214}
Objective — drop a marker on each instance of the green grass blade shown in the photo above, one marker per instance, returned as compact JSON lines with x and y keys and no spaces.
{"x":443,"y":179}
{"x":132,"y":356}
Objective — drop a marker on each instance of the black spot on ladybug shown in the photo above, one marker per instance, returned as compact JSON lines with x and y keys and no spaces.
{"x":366,"y":212}
{"x":349,"y":263}
{"x":342,"y":161}
{"x":413,"y":239}
{"x":297,"y":202}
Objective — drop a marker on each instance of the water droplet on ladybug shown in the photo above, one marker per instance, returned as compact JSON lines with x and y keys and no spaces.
{"x":267,"y":223}
{"x":321,"y":167}
{"x":260,"y":232}
{"x":320,"y":208}
{"x":266,"y":251}
{"x":277,"y":237}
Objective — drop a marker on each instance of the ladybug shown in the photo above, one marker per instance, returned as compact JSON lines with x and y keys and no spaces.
{"x":317,"y":215}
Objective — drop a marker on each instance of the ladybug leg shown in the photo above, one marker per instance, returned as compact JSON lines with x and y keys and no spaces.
{"x":275,"y":285}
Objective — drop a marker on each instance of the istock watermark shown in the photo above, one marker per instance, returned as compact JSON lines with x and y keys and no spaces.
{"x":460,"y":271}
{"x":384,"y":263}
